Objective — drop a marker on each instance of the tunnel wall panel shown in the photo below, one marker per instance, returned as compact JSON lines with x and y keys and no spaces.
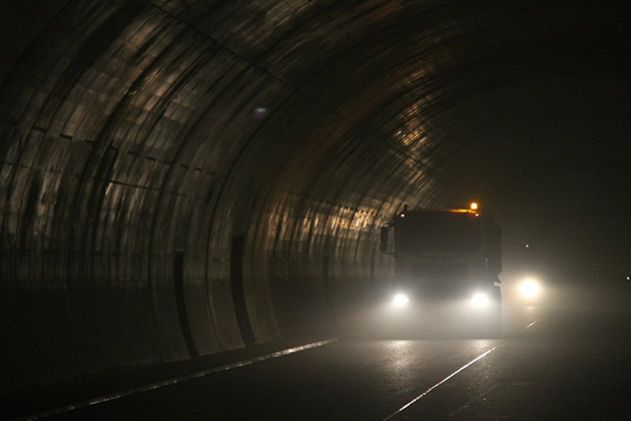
{"x":132,"y":133}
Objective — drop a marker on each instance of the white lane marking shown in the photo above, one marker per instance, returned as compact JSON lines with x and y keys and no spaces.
{"x":407,"y":405}
{"x":531,"y":324}
{"x":174,"y":380}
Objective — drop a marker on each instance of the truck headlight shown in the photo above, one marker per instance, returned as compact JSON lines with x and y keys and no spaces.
{"x":480,"y":299}
{"x":529,"y":288}
{"x":400,"y":300}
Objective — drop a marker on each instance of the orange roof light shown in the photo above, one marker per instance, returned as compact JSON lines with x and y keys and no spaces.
{"x":473,"y":206}
{"x":469,"y":211}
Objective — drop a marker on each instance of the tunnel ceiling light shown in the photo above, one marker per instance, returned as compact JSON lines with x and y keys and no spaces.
{"x":474,"y":206}
{"x":260,"y":112}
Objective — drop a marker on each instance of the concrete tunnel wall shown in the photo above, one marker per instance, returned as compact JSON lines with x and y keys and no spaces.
{"x":129,"y":136}
{"x":143,"y":139}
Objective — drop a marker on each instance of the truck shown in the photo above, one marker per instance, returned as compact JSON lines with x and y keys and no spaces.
{"x":447,"y":264}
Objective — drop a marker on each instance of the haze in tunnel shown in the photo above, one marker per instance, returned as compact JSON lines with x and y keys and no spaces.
{"x":184,"y":178}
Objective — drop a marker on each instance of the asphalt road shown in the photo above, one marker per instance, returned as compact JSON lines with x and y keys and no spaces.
{"x":565,"y":366}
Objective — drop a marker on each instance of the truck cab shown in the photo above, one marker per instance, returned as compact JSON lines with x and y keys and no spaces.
{"x":447,"y":264}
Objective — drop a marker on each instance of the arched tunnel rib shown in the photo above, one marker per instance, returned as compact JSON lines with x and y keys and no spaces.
{"x":187,"y":178}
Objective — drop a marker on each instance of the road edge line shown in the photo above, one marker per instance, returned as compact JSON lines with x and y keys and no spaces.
{"x":172,"y":381}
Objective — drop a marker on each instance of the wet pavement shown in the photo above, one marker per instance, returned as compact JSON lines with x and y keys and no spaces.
{"x":564,"y":366}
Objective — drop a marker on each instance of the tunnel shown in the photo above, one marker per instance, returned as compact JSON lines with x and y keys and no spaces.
{"x":185,"y":178}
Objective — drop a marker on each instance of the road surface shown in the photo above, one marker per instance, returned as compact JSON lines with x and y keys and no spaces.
{"x":562,"y":366}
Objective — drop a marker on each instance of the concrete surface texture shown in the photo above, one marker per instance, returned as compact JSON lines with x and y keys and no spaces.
{"x":182,"y":178}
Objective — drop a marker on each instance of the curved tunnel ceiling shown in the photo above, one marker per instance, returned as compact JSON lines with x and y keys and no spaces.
{"x":184,"y":177}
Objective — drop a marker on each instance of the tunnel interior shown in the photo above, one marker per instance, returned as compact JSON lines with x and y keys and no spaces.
{"x":183,"y":178}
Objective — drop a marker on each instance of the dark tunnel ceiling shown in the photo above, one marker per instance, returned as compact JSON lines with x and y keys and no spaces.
{"x":133,"y":130}
{"x":372,"y":76}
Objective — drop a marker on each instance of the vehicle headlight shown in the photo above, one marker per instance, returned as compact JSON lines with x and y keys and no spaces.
{"x":400,"y":300}
{"x":480,"y":299}
{"x":529,"y":288}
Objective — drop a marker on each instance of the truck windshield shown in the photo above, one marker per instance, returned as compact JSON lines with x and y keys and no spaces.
{"x":439,"y":232}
